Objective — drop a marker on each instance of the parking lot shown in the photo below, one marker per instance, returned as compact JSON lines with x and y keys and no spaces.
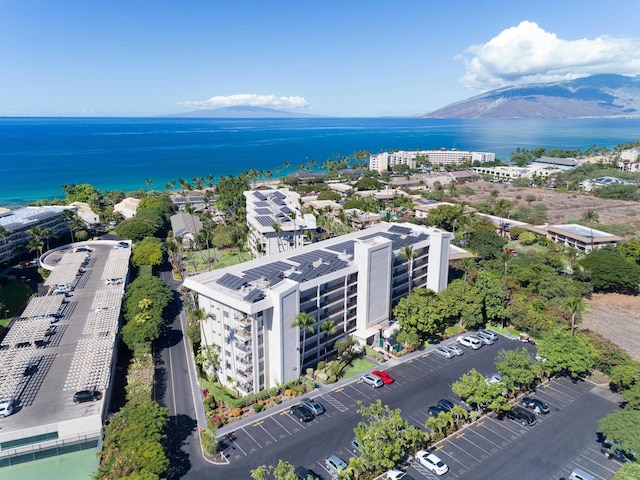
{"x":490,"y":448}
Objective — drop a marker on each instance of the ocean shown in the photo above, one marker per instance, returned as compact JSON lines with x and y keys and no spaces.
{"x":39,"y":155}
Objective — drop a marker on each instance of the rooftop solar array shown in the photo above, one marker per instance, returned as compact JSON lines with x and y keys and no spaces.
{"x":311,"y":264}
{"x":66,"y":270}
{"x":90,"y":367}
{"x":12,"y":363}
{"x":117,"y":264}
{"x":43,"y":306}
{"x":263,"y":211}
{"x":265,"y":208}
{"x":26,"y":332}
{"x":265,"y":221}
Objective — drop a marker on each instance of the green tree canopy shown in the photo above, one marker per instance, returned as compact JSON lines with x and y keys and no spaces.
{"x":384,"y":435}
{"x":609,"y":271}
{"x":487,"y":244}
{"x":421,"y":313}
{"x":623,"y":428}
{"x":516,"y":368}
{"x":282,"y":471}
{"x":367,"y":183}
{"x":446,"y":216}
{"x":133,"y":443}
{"x":565,"y":354}
{"x":628,"y":471}
{"x":149,"y":251}
{"x":474,"y":389}
{"x":136,"y":229}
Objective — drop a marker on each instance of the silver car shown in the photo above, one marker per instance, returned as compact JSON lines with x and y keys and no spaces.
{"x":486,"y":339}
{"x":445,"y":352}
{"x":490,"y":334}
{"x":313,"y":406}
{"x":371,"y":380}
{"x":455,"y":348}
{"x":334,"y":465}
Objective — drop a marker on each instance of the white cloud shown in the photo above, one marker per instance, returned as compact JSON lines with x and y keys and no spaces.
{"x":248,"y":99}
{"x":529,"y":54}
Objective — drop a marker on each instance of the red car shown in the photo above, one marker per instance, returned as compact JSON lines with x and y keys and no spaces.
{"x":384,"y":376}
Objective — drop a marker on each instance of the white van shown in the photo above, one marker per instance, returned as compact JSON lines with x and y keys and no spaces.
{"x":577,"y":474}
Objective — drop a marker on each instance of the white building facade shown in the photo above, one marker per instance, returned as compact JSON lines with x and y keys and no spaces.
{"x":17,"y":223}
{"x":276,"y":223}
{"x":352,"y":281}
{"x":382,"y":162}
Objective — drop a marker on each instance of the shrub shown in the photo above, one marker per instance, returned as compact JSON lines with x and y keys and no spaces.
{"x":321,"y":365}
{"x":332,"y":379}
{"x":236,"y":412}
{"x":208,"y":438}
{"x":257,"y":407}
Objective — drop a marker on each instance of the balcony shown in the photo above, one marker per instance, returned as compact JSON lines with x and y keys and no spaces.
{"x":246,"y":375}
{"x":245,"y":387}
{"x":243,"y":334}
{"x":242,"y":318}
{"x":244,"y":346}
{"x":245,"y":360}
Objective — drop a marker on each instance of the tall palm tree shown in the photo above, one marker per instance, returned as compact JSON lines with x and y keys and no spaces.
{"x":590,"y":217}
{"x":36,"y":243}
{"x":276,"y":228}
{"x":329,"y":328}
{"x":409,"y":254}
{"x":305,"y":323}
{"x":576,"y":307}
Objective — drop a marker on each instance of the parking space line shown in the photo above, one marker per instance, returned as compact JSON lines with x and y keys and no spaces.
{"x":239,"y":447}
{"x":249,"y":435}
{"x":484,"y":438}
{"x":582,"y":467}
{"x":603,"y":465}
{"x":496,"y":433}
{"x":267,"y":432}
{"x":281,"y":426}
{"x":338,"y":405}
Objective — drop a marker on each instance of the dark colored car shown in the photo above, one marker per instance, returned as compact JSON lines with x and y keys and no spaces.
{"x":519,"y":414}
{"x":303,"y":414}
{"x":445,"y":404}
{"x":435,"y":411}
{"x":615,"y":453}
{"x":536,"y":405}
{"x":306,"y":474}
{"x":87,"y":396}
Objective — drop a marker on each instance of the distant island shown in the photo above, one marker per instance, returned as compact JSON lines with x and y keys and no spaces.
{"x":240,"y":111}
{"x":596,"y":96}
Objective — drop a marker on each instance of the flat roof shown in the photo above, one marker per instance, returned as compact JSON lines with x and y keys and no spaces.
{"x":78,"y":355}
{"x":582,"y":231}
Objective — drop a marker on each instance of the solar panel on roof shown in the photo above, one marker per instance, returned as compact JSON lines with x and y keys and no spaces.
{"x":265,"y":221}
{"x":231,"y":281}
{"x":263,"y":211}
{"x":261,"y":204}
{"x":279,"y":201}
{"x":254,"y":295}
{"x":286,"y":210}
{"x":399,"y":229}
{"x":259,"y":196}
{"x":342,"y":247}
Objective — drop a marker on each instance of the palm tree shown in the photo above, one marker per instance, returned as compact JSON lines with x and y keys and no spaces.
{"x":47,"y":235}
{"x":576,"y":307}
{"x":304,"y":322}
{"x":276,"y":228}
{"x":329,"y":328}
{"x":36,"y":244}
{"x":71,"y":218}
{"x":434,"y":425}
{"x":409,"y":254}
{"x":590,"y":217}
{"x":503,"y":207}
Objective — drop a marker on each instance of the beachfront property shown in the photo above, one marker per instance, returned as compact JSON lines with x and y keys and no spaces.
{"x":275,"y":221}
{"x":86,"y":213}
{"x":349,"y":283}
{"x":382,"y":162}
{"x":15,"y":226}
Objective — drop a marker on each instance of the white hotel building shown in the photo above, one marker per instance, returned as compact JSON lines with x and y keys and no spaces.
{"x":354,"y":281}
{"x":382,"y":162}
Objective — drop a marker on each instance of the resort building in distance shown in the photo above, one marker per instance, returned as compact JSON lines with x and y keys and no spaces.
{"x":15,"y":226}
{"x":276,"y":223}
{"x":382,"y":162}
{"x":352,"y":281}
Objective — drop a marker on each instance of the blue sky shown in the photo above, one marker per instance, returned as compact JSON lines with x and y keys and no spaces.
{"x":336,"y":58}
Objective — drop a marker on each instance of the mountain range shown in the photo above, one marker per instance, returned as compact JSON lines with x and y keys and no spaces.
{"x":603,"y":95}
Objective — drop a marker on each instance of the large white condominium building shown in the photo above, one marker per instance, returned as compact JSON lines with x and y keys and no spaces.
{"x":381,"y":162}
{"x":15,"y":226}
{"x":275,"y":221}
{"x":352,"y":281}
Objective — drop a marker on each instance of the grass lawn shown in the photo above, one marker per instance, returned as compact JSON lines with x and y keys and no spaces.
{"x":13,"y":296}
{"x":518,"y":247}
{"x":358,"y":366}
{"x":453,"y":330}
{"x":223,"y":258}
